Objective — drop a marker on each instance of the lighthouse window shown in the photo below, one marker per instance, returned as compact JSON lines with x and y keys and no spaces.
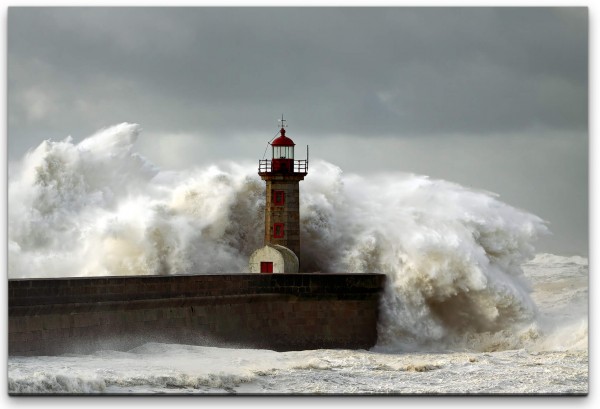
{"x":283,"y":152}
{"x":278,"y":197}
{"x":278,"y":230}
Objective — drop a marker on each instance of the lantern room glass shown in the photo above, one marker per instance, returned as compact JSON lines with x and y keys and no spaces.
{"x":283,"y":152}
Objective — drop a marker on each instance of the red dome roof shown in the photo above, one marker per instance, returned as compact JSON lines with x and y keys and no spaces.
{"x":283,"y":140}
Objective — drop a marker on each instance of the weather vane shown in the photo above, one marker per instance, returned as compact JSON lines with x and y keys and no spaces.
{"x":283,"y":121}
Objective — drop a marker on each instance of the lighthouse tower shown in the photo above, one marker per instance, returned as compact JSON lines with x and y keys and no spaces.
{"x":282,"y":174}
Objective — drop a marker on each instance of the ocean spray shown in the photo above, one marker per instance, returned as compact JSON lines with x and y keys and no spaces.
{"x":452,"y":255}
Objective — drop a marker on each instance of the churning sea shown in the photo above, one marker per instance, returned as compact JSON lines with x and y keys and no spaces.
{"x":469,"y":307}
{"x":547,"y":356}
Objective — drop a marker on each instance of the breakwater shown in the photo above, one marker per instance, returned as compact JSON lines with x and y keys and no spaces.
{"x":272,"y":311}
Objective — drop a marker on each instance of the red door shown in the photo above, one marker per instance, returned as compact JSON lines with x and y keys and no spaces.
{"x":266,"y":267}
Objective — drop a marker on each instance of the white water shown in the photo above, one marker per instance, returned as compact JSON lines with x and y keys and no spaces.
{"x":453,"y":257}
{"x":551,"y":357}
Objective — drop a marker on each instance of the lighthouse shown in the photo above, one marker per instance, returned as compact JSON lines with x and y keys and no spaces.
{"x":282,"y":174}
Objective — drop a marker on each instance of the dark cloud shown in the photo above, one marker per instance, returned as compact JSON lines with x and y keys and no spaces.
{"x":381,"y":74}
{"x":374,"y":71}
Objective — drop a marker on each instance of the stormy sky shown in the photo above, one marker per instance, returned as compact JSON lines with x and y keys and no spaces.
{"x":492,"y":98}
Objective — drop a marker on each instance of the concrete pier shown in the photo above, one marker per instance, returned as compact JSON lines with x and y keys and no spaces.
{"x":272,"y":311}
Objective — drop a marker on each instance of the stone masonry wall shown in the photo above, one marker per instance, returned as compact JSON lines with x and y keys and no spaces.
{"x":288,"y":214}
{"x":274,"y":311}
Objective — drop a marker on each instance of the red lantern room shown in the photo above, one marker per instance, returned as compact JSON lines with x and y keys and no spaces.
{"x":282,"y":159}
{"x":283,"y":154}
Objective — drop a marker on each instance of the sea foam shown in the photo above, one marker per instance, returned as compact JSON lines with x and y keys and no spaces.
{"x":453,"y":256}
